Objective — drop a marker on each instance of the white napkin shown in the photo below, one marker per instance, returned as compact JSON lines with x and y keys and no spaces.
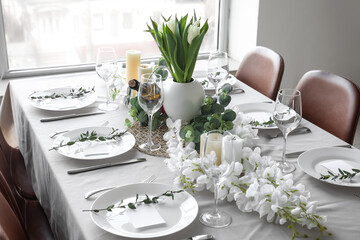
{"x":145,"y":216}
{"x":333,"y":166}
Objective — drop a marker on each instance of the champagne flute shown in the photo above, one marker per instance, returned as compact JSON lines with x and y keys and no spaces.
{"x":287,"y":116}
{"x":218,"y":69}
{"x":214,"y":141}
{"x":106,"y":67}
{"x":150,"y":97}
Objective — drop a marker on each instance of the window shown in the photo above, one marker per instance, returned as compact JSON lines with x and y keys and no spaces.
{"x":43,"y":34}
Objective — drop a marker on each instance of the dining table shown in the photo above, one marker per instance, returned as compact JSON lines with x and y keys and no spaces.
{"x":62,"y":195}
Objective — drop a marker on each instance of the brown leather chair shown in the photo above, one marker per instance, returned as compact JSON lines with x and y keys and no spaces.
{"x":29,"y":212}
{"x":330,"y":102}
{"x":10,"y":226}
{"x":16,"y":164}
{"x":262,"y":69}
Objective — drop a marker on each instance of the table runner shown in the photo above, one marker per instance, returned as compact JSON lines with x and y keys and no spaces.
{"x":61,"y":194}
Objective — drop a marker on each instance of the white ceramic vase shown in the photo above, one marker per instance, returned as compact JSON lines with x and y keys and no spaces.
{"x":183,"y":100}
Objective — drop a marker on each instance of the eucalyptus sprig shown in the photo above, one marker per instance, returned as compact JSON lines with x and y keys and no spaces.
{"x":343,"y":174}
{"x":92,"y":136}
{"x":213,"y":116}
{"x":269,"y":123}
{"x":138,"y":114}
{"x":132,"y":205}
{"x":72,"y":94}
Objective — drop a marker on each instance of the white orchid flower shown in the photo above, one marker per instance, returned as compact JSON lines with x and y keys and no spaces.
{"x":194,"y":31}
{"x":256,"y":183}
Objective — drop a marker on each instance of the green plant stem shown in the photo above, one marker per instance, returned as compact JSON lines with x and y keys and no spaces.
{"x":341,"y":175}
{"x":92,"y":137}
{"x":132,"y":205}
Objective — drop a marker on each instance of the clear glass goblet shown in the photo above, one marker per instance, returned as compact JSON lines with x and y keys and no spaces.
{"x":287,"y":116}
{"x":214,"y":141}
{"x":106,"y":67}
{"x":218,"y":69}
{"x":150,"y":97}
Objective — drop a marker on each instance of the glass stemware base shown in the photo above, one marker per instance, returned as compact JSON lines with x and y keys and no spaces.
{"x":215,"y":219}
{"x":286,"y":167}
{"x":108,"y":106}
{"x":150,"y":146}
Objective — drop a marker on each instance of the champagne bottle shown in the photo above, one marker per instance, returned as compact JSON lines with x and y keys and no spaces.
{"x":134,"y":84}
{"x":133,"y":87}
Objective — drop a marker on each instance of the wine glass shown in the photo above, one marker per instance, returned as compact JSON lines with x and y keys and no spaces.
{"x":215,"y":170}
{"x":218,"y":69}
{"x":106,"y":67}
{"x":287,"y":116}
{"x":150,"y":97}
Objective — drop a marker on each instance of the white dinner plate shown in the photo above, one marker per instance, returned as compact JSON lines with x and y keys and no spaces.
{"x":177,"y":214}
{"x":312,"y":162}
{"x":92,"y":150}
{"x":61,"y":104}
{"x":261,"y":112}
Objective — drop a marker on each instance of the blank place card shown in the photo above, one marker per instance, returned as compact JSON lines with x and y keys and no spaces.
{"x":333,"y":166}
{"x":145,"y":216}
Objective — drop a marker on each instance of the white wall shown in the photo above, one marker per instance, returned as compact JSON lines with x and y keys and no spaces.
{"x":312,"y":34}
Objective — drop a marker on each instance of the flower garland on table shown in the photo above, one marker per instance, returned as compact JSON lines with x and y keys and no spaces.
{"x":256,"y":184}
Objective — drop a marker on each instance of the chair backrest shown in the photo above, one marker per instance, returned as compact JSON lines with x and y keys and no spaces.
{"x":262,"y":69}
{"x":9,"y":197}
{"x":10,"y":223}
{"x":330,"y":102}
{"x":10,"y":226}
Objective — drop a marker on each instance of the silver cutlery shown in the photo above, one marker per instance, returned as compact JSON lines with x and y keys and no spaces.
{"x":90,"y":193}
{"x":54,"y":134}
{"x":237,"y":90}
{"x":105,"y":165}
{"x":50,"y":119}
{"x":297,"y":154}
{"x":300,"y":130}
{"x":200,"y":237}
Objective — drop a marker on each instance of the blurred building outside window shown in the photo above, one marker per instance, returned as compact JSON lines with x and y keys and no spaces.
{"x":56,"y":33}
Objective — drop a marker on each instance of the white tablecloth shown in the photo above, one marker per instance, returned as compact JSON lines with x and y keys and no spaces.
{"x":62,"y":195}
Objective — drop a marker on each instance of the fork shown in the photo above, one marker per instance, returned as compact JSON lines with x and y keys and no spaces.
{"x":90,"y":193}
{"x":299,"y":130}
{"x":54,"y":134}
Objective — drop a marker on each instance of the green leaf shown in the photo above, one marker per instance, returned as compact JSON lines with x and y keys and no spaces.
{"x":143,"y":118}
{"x":205,"y":109}
{"x":208,"y":100}
{"x":131,"y":206}
{"x":224,"y":99}
{"x":128,"y":123}
{"x":217,"y":108}
{"x":228,"y":115}
{"x":226,"y":88}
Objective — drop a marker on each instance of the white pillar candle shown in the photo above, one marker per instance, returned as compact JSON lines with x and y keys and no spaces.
{"x":228,"y":149}
{"x":214,"y":143}
{"x":144,"y":68}
{"x":132,"y":64}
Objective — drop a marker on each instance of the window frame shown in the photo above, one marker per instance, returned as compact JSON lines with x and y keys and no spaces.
{"x":6,"y":73}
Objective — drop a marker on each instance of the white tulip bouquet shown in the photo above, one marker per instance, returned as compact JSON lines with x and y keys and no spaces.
{"x":256,"y":183}
{"x":179,"y":43}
